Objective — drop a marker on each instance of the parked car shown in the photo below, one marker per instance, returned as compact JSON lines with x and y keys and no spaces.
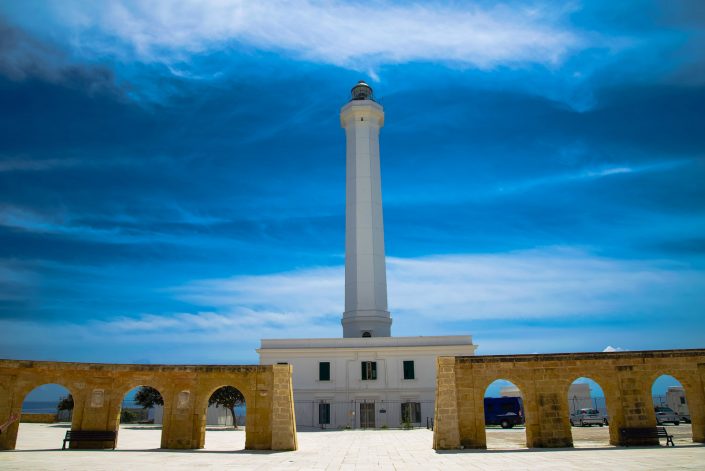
{"x":583,"y":417}
{"x":665,"y":414}
{"x":504,"y":411}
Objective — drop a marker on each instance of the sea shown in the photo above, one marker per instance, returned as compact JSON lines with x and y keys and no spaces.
{"x":39,"y":407}
{"x":49,"y":407}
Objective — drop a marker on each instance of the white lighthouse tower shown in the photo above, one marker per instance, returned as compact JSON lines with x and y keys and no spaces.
{"x":366,"y":312}
{"x":368,"y":378}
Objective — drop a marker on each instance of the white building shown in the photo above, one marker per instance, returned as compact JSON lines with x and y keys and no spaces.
{"x":367,"y":378}
{"x":215,"y":415}
{"x":364,"y":382}
{"x":675,"y":398}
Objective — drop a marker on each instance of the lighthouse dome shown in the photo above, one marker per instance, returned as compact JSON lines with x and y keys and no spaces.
{"x":361,"y":91}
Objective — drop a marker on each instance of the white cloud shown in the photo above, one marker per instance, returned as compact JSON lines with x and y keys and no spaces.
{"x":426,"y":293}
{"x":63,"y":224}
{"x":594,"y":174}
{"x":361,"y":36}
{"x":610,"y":348}
{"x":544,"y":283}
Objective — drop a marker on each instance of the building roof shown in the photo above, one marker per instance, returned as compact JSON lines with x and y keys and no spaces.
{"x":370,"y":342}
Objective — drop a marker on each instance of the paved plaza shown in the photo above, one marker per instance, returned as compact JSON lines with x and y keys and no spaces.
{"x":346,"y":450}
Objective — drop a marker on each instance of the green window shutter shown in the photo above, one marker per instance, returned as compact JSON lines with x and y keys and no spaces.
{"x":324,"y":371}
{"x":409,"y":369}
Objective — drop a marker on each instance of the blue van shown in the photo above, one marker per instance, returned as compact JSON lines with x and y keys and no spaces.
{"x":504,"y":411}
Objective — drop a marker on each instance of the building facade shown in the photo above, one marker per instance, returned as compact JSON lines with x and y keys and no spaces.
{"x":363,"y":382}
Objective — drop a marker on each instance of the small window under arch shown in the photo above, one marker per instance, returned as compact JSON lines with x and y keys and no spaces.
{"x":367,"y":334}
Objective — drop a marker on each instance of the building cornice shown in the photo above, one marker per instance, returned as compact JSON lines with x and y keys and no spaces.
{"x":368,"y":343}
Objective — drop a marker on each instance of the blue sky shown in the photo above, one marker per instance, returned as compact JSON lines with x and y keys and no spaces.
{"x":172,"y":177}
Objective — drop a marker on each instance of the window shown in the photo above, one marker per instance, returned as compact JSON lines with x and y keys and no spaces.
{"x":411,"y":412}
{"x":323,"y":413}
{"x":408,"y":369}
{"x":509,"y":407}
{"x":682,"y":399}
{"x":366,"y":334}
{"x":324,"y":371}
{"x":369,"y":370}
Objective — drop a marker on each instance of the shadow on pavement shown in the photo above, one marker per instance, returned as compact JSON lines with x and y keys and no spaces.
{"x":569,"y":449}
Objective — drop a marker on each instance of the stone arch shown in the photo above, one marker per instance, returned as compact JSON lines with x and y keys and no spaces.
{"x":122,"y":389}
{"x":694,"y":394}
{"x":28,"y":390}
{"x":215,"y":385}
{"x":611,"y":400}
{"x":202,"y":406}
{"x":24,"y":390}
{"x":687,"y":380}
{"x":521,"y":385}
{"x":24,"y":386}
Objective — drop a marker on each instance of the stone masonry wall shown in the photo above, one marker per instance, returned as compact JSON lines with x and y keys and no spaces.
{"x":38,"y":418}
{"x":626,"y":379}
{"x":98,"y":391}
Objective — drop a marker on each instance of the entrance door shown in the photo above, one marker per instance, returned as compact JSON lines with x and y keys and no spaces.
{"x":367,"y":415}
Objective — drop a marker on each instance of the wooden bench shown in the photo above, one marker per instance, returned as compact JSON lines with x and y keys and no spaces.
{"x":89,"y":436}
{"x":629,"y":434}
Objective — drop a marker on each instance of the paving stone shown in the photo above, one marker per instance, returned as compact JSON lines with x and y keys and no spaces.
{"x":38,"y":448}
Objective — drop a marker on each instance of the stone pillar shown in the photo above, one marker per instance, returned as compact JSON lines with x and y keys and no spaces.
{"x":610,"y":388}
{"x":181,"y":422}
{"x":365,"y":271}
{"x":259,"y":412}
{"x":94,"y":410}
{"x":445,"y":430}
{"x":695,"y":396}
{"x":10,"y":403}
{"x":471,"y":408}
{"x":548,"y":418}
{"x":637,"y":409}
{"x":283,"y":418}
{"x":532,"y":414}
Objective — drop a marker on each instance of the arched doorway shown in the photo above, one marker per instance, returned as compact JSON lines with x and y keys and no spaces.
{"x":671,"y":407}
{"x":504,"y":416}
{"x":226,"y":419}
{"x":588,"y":415}
{"x":47,"y":411}
{"x":140,"y":419}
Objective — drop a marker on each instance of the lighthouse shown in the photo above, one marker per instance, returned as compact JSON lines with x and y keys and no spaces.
{"x":366,"y":313}
{"x":367,"y":378}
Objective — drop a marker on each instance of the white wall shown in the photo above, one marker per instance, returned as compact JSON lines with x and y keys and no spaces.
{"x":346,"y":389}
{"x":675,"y":398}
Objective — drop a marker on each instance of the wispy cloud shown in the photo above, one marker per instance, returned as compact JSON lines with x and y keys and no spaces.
{"x":592,"y":174}
{"x":545,"y":283}
{"x":16,"y":281}
{"x":34,"y":165}
{"x":114,"y":228}
{"x":361,"y":36}
{"x":427,"y":295}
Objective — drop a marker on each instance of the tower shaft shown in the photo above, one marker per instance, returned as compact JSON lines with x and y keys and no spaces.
{"x":365,"y":270}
